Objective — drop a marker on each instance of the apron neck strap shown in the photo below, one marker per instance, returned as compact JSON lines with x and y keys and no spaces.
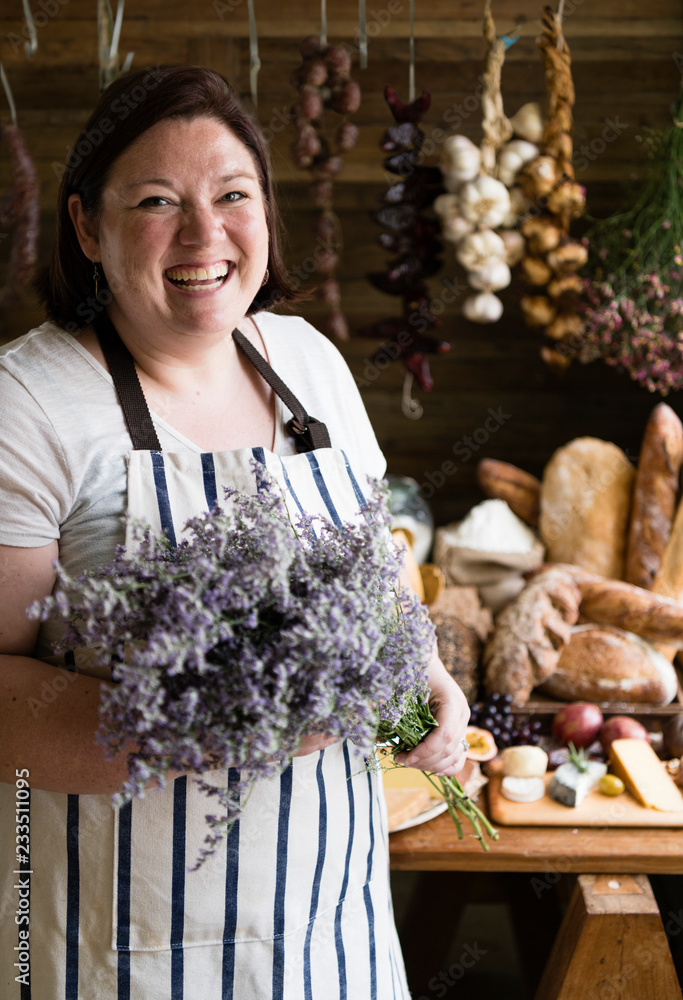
{"x":308,"y":432}
{"x":127,"y":384}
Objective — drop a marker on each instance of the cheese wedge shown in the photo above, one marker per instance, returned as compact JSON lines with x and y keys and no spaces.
{"x":408,"y":777}
{"x":404,"y":804}
{"x":639,"y":767}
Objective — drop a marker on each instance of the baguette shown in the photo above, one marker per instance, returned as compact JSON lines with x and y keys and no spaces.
{"x":625,"y":606}
{"x":520,"y":490}
{"x":668,"y":580}
{"x":654,"y":495}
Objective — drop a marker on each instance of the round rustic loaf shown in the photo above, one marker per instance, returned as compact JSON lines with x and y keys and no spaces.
{"x":585,"y":505}
{"x":601,"y":663}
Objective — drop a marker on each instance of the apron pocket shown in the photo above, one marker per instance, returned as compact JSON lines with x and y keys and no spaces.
{"x":307,"y":839}
{"x":159,"y":903}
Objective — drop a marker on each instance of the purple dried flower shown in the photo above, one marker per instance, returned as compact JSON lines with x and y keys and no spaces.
{"x":247,"y":636}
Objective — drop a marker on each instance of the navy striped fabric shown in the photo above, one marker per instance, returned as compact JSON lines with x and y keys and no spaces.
{"x":72,"y":899}
{"x":322,"y":488}
{"x":320,"y":861}
{"x":338,"y":939}
{"x":125,"y":820}
{"x":178,"y":887}
{"x":165,"y":512}
{"x":368,"y":900}
{"x":290,"y":488}
{"x":362,"y":502}
{"x":284,"y":809}
{"x":209,"y":479}
{"x":231,"y":883}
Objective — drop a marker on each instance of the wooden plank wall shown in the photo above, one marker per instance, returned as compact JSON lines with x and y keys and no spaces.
{"x":624,"y":57}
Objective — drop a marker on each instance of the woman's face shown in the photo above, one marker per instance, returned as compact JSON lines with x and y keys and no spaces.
{"x":181,"y":235}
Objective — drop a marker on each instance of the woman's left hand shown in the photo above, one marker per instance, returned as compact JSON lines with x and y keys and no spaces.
{"x":442,"y":752}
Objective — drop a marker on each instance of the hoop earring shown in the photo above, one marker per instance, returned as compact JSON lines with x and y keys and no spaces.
{"x":265,"y":278}
{"x":96,"y":278}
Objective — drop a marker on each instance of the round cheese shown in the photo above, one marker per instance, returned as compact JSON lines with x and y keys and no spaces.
{"x":523,"y":789}
{"x":524,"y":762}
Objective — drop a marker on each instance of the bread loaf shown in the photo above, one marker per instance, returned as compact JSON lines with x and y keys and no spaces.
{"x":520,"y":490}
{"x":625,"y":606}
{"x":459,"y":650}
{"x":462,"y":625}
{"x":464,"y":604}
{"x":654,"y":495}
{"x":525,"y":646}
{"x":605,"y":664}
{"x":585,"y":505}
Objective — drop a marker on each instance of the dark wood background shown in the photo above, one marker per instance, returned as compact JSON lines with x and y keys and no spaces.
{"x":624,"y":59}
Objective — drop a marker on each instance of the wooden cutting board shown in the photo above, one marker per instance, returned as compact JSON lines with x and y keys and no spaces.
{"x":595,"y":810}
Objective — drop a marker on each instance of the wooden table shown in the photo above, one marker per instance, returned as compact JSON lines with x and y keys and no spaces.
{"x":611,"y":944}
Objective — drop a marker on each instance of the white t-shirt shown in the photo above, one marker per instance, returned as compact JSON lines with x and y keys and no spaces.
{"x":64,"y":442}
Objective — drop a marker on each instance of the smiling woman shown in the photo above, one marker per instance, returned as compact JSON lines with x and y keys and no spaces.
{"x":145,"y":394}
{"x":167,"y":218}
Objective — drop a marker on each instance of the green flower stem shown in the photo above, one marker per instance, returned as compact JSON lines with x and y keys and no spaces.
{"x":404,"y":735}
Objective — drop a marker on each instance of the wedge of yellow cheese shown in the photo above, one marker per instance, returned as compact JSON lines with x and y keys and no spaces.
{"x":404,"y":804}
{"x":639,"y":767}
{"x":408,"y":777}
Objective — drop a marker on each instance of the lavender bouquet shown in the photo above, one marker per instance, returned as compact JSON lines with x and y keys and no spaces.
{"x":248,"y":635}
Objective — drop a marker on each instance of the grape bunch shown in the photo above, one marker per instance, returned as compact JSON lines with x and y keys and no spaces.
{"x":495,"y":715}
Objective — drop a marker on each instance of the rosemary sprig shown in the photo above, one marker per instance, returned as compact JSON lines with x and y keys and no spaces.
{"x":578,"y":758}
{"x":404,"y":735}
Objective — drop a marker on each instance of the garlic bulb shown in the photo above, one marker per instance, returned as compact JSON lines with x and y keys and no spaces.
{"x":538,"y":310}
{"x":568,"y":257}
{"x":564,"y":326}
{"x":480,"y":248}
{"x":512,"y":158}
{"x":446,"y":206}
{"x":492,"y":276}
{"x":455,"y":228}
{"x":461,"y":159}
{"x":567,"y":287}
{"x":519,"y":204}
{"x":483,"y":308}
{"x":536,"y":271}
{"x":508,"y":166}
{"x":514,"y":246}
{"x":541,"y":234}
{"x":527,"y":123}
{"x":568,"y":197}
{"x":526,"y":151}
{"x":539,"y":177}
{"x":559,"y":360}
{"x":485,"y":201}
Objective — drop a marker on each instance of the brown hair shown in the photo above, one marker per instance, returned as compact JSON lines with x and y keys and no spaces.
{"x":128,"y":107}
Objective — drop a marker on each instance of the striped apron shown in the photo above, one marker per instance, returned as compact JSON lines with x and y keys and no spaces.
{"x":295,"y":904}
